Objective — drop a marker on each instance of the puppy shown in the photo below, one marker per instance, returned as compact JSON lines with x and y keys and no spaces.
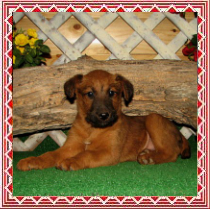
{"x":102,"y":135}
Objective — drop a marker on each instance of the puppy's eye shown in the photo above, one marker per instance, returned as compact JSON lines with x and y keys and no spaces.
{"x":111,"y":93}
{"x":90,"y":94}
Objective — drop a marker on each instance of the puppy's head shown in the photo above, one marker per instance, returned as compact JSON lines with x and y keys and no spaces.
{"x":99,"y":96}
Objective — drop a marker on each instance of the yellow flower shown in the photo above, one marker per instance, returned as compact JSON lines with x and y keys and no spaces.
{"x":32,"y":33}
{"x":21,"y":40}
{"x":21,"y":49}
{"x":32,"y":41}
{"x":13,"y":59}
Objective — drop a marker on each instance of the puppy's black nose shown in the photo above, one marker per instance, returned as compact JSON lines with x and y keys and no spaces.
{"x":104,"y":116}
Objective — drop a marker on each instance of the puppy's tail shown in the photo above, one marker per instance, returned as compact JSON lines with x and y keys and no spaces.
{"x":185,"y":148}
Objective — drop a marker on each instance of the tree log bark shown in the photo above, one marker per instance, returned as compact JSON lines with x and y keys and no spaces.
{"x":168,"y":87}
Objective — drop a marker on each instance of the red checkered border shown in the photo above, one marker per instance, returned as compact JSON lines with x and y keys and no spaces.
{"x":201,"y":200}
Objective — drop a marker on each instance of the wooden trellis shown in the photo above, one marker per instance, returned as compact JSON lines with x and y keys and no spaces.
{"x":96,"y":30}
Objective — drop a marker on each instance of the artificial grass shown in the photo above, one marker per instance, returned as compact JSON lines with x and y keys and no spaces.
{"x":124,"y":179}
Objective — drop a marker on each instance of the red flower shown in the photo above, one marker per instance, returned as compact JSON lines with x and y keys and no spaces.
{"x":181,"y":14}
{"x":189,"y":49}
{"x":195,"y":56}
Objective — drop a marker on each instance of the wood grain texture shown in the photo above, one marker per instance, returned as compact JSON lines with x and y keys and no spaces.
{"x":164,"y":86}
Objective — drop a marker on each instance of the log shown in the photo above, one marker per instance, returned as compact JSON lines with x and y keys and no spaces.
{"x":168,"y":87}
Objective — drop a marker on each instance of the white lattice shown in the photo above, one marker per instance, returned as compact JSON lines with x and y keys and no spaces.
{"x":96,"y":30}
{"x":34,"y":140}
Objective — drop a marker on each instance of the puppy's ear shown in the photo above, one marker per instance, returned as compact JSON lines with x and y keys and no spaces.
{"x":127,"y":89}
{"x":70,"y":87}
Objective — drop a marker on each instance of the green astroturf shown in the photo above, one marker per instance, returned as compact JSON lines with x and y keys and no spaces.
{"x":124,"y":179}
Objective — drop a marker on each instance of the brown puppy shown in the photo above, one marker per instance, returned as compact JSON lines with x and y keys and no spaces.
{"x":102,"y":135}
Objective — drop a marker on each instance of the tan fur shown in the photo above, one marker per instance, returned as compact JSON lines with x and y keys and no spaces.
{"x":102,"y":135}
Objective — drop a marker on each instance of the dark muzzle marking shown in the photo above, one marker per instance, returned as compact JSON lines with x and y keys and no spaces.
{"x":102,"y":113}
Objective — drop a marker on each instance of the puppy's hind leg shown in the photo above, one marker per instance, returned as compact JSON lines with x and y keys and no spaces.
{"x":166,"y":139}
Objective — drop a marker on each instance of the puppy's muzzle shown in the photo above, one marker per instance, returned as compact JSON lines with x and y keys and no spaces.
{"x":101,"y":118}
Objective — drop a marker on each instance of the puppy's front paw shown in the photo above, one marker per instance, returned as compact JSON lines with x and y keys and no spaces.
{"x":68,"y":165}
{"x":29,"y":164}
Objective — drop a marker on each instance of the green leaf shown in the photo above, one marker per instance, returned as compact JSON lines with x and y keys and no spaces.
{"x":29,"y":58}
{"x":38,"y":43}
{"x":33,"y":52}
{"x":42,"y":58}
{"x":16,"y":52}
{"x":27,"y":49}
{"x":27,"y":65}
{"x":194,"y":40}
{"x":19,"y":61}
{"x":37,"y":61}
{"x":45,"y":49}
